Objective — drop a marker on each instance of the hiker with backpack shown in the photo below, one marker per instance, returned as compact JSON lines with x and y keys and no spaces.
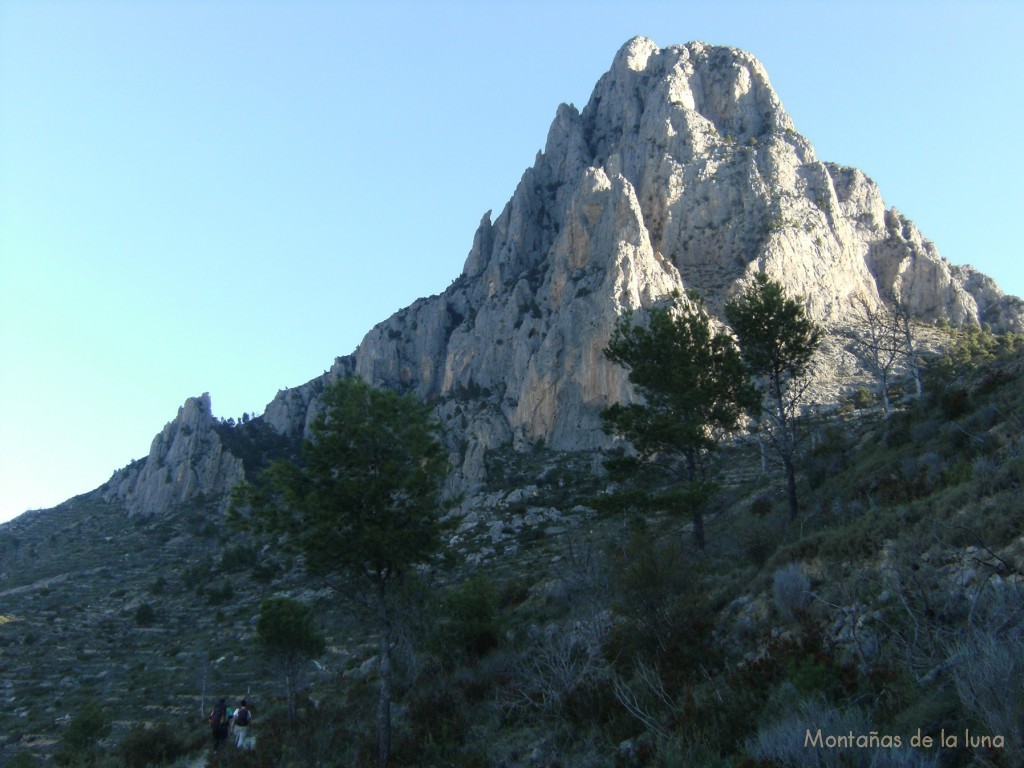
{"x":219,"y":724}
{"x":242,"y":719}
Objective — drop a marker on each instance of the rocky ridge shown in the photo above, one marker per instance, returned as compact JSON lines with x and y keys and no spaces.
{"x":682,"y":173}
{"x":186,"y":459}
{"x":158,"y":610}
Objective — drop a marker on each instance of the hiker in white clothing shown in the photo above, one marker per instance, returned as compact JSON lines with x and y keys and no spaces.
{"x":241,"y":721}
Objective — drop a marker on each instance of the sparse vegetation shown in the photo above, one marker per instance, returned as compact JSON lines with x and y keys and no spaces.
{"x":694,"y":389}
{"x":777,"y":341}
{"x":288,"y":637}
{"x":362,"y":505}
{"x":578,"y":633}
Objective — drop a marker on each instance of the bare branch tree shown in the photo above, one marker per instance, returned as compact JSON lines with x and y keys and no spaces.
{"x":876,"y":340}
{"x":908,"y":338}
{"x":561,"y":662}
{"x":645,"y":699}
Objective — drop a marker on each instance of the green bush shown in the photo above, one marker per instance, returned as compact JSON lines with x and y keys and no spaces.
{"x":220,"y":595}
{"x":759,"y":539}
{"x":238,"y":558}
{"x":954,"y":402}
{"x":23,"y":760}
{"x":145,"y":615}
{"x":664,"y":615}
{"x":828,"y":458}
{"x":79,"y":743}
{"x":195,"y":576}
{"x":863,"y":398}
{"x":142,"y":746}
{"x":329,"y":734}
{"x":470,"y":620}
{"x":958,"y":474}
{"x":1010,"y":475}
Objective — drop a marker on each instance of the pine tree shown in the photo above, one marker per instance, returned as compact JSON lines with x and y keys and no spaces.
{"x":362,"y":504}
{"x":288,"y":636}
{"x":777,"y":341}
{"x":694,"y":387}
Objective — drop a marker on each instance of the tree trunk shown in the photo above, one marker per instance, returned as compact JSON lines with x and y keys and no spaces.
{"x":790,"y":486}
{"x":202,"y":699}
{"x":384,"y":699}
{"x":292,"y":684}
{"x":918,"y":389}
{"x":698,"y":513}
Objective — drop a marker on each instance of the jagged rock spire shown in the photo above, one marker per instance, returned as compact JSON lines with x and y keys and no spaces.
{"x":683,"y":172}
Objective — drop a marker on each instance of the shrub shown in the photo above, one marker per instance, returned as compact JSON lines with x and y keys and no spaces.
{"x":863,"y":398}
{"x":988,"y":672}
{"x":983,"y":470}
{"x":145,"y":615}
{"x":954,"y":402}
{"x":560,"y":668}
{"x":264,"y":572}
{"x":471,"y":623}
{"x":238,"y":558}
{"x":759,"y":539}
{"x":78,"y":745}
{"x":828,"y":458}
{"x":158,"y":745}
{"x":783,"y":741}
{"x":924,"y":431}
{"x":1010,"y":475}
{"x":23,"y":760}
{"x":220,"y":595}
{"x":959,"y":473}
{"x":664,"y":617}
{"x":194,"y":576}
{"x":438,"y":721}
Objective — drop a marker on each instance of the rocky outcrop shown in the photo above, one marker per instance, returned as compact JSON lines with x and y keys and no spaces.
{"x":995,"y":308}
{"x":683,"y":172}
{"x":186,"y":461}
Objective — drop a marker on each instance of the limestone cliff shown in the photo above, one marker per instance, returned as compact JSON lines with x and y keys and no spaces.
{"x":683,"y":172}
{"x":186,"y":459}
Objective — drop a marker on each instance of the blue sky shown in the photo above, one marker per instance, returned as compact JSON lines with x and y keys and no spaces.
{"x":224,"y":196}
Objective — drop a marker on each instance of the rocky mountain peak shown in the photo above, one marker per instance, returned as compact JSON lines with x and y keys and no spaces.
{"x":684,"y":89}
{"x":186,"y":459}
{"x":683,"y":172}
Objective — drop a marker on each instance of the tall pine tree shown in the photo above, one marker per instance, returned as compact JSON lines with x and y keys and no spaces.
{"x":694,"y":387}
{"x":362,"y":504}
{"x":778,"y":341}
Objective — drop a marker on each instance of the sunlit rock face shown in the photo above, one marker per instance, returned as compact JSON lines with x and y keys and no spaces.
{"x":682,"y":173}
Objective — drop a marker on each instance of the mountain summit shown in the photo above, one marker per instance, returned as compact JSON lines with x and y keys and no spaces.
{"x":682,"y":173}
{"x":896,"y":590}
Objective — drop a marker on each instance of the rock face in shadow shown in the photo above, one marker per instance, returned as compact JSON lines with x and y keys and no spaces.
{"x":682,"y":173}
{"x":186,"y":459}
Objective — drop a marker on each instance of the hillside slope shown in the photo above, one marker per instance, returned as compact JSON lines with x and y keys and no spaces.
{"x":683,"y":172}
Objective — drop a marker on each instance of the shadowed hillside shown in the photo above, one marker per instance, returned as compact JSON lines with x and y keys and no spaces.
{"x":569,"y":619}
